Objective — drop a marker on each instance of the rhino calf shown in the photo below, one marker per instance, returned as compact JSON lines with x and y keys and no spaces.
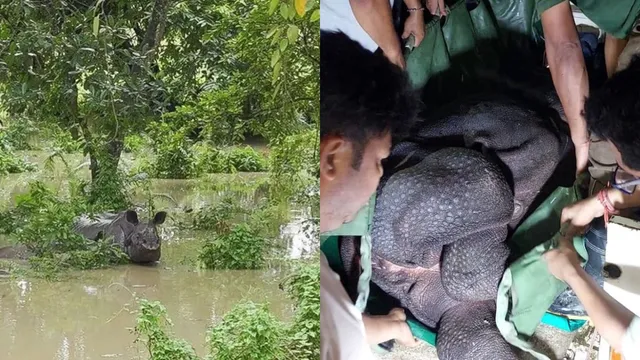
{"x":139,"y":240}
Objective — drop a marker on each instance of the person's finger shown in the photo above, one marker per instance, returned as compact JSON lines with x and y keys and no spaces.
{"x":407,"y":32}
{"x":443,"y":8}
{"x":418,"y":38}
{"x":403,"y":64}
{"x":565,"y":216}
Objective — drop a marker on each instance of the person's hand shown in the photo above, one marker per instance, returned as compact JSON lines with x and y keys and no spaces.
{"x":577,"y":216}
{"x":562,"y":261}
{"x":396,"y":57}
{"x":403,"y":333}
{"x":437,"y":7}
{"x":414,"y":25}
{"x":581,"y":145}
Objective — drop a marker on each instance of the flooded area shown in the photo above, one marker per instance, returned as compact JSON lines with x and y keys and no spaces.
{"x":91,"y":314}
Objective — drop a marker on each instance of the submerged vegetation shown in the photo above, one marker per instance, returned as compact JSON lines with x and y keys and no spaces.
{"x":249,"y":331}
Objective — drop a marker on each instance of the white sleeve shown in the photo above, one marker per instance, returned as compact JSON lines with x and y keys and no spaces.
{"x":631,"y":340}
{"x":342,"y":335}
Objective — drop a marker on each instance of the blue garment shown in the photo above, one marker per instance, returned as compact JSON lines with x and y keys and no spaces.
{"x":567,"y":302}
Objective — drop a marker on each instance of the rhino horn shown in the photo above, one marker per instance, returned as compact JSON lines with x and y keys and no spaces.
{"x":159,"y":218}
{"x":132,"y":217}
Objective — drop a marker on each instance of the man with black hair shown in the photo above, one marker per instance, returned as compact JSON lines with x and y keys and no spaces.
{"x":565,"y":58}
{"x":613,"y":114}
{"x":364,"y":101}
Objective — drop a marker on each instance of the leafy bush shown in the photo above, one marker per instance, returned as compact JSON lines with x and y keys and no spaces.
{"x":294,"y":169}
{"x":246,"y":159}
{"x":44,"y":224}
{"x":63,"y":140}
{"x":152,"y":328}
{"x":248,"y":332}
{"x":18,"y":133}
{"x":230,"y":160}
{"x":304,"y":334}
{"x":134,"y":143}
{"x":174,"y":156}
{"x":9,"y":162}
{"x":240,"y":248}
{"x":110,"y":189}
{"x":218,"y":217}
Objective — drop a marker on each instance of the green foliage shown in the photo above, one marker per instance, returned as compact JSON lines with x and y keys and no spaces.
{"x":109,"y":190}
{"x":238,"y":249}
{"x":217,"y":114}
{"x":134,"y":143}
{"x":230,"y":160}
{"x":9,"y":162}
{"x":219,"y":217}
{"x":18,"y":133}
{"x":174,"y":157}
{"x":61,"y":140}
{"x":294,"y":165}
{"x":100,"y":72}
{"x":246,"y":159}
{"x":248,"y":332}
{"x":44,"y":224}
{"x":153,"y":329}
{"x":304,"y":334}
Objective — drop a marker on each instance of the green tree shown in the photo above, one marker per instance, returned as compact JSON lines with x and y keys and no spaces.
{"x":89,"y":66}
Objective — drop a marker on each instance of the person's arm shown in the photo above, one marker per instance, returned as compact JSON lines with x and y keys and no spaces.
{"x":375,"y":18}
{"x":610,"y":318}
{"x":580,"y":214}
{"x":613,"y":47}
{"x":566,"y":62}
{"x":415,"y":22}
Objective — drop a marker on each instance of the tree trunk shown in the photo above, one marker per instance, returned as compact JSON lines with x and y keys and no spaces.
{"x":154,"y":33}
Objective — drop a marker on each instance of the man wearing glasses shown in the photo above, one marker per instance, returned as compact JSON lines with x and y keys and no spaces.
{"x":613,"y":114}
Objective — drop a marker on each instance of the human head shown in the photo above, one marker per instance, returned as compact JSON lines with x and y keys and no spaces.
{"x":612,"y":113}
{"x":364,"y":101}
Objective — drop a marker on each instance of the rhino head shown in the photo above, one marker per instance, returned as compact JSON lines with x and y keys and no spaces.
{"x":142,"y":242}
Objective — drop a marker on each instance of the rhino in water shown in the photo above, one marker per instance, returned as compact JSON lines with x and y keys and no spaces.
{"x":139,"y":240}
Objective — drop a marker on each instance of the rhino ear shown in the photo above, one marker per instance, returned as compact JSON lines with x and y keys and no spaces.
{"x":131,"y":217}
{"x":159,"y":218}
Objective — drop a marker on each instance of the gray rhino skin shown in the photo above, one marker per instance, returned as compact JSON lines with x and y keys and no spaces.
{"x":445,"y":205}
{"x":139,"y":240}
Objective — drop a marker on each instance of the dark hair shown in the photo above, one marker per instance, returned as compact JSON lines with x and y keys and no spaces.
{"x":362,"y":94}
{"x":613,"y":113}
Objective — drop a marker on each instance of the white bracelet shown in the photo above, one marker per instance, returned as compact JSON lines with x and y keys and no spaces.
{"x":415,"y":9}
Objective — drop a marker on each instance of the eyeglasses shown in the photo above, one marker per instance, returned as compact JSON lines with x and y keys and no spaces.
{"x":624,"y":181}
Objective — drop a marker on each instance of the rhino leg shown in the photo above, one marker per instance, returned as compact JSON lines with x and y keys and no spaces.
{"x":472,"y":267}
{"x":468,"y":331}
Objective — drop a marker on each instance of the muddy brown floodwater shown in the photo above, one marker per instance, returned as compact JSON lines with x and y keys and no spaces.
{"x":91,"y":314}
{"x":90,"y":317}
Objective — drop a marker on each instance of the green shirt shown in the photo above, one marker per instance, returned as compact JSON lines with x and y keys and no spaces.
{"x":615,"y":17}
